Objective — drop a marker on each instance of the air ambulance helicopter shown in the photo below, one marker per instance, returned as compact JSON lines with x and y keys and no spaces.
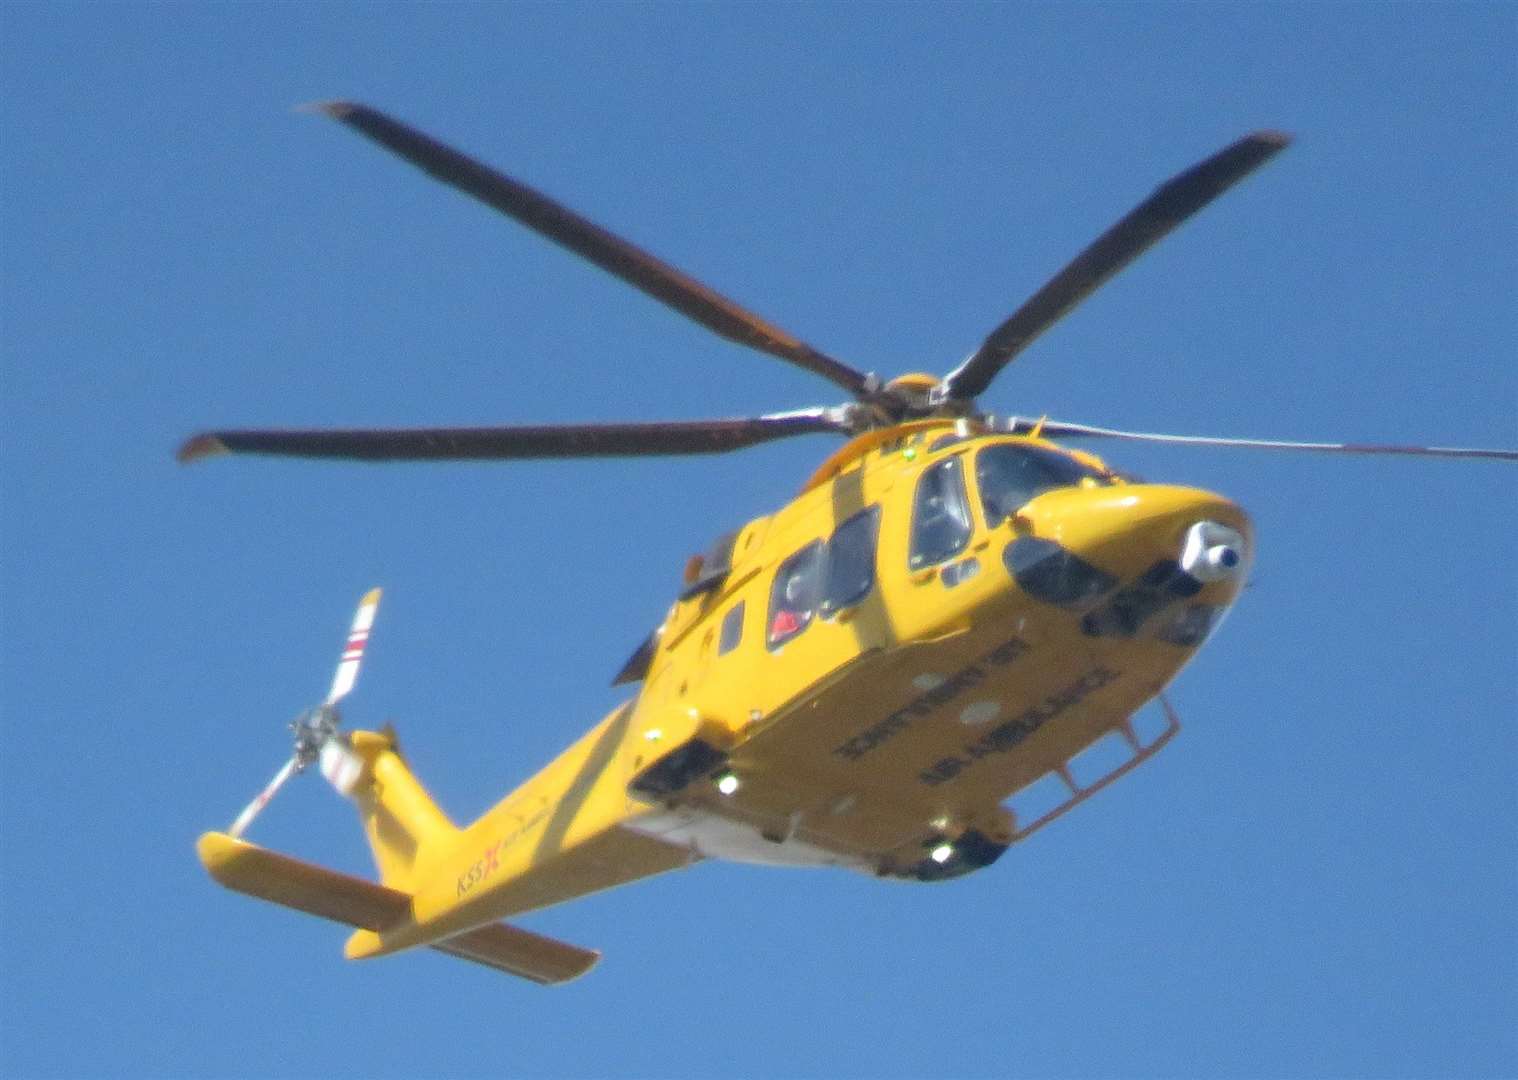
{"x":953,"y":608}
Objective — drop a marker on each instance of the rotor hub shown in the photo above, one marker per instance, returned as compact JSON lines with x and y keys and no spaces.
{"x":313,"y":729}
{"x":920,"y":396}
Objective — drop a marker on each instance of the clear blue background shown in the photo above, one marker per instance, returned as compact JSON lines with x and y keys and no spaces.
{"x":1319,"y":877}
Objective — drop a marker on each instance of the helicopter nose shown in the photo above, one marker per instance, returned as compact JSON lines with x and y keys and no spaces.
{"x":1076,"y":544}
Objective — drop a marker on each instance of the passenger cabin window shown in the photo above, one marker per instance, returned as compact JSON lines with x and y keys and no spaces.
{"x":824,"y":578}
{"x":793,"y":599}
{"x":940,"y":514}
{"x":732,"y":630}
{"x":1011,"y":475}
{"x":851,"y":561}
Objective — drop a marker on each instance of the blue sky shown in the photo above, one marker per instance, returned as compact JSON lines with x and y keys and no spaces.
{"x":1318,"y":878}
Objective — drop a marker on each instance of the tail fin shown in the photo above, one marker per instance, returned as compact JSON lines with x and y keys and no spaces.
{"x":406,"y":829}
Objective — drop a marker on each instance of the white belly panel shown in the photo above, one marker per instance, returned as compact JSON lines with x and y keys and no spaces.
{"x":719,"y":838}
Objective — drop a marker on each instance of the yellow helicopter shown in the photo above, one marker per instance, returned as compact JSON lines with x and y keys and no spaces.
{"x":953,"y":610}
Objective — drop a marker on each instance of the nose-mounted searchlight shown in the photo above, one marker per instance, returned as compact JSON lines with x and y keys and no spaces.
{"x":1212,"y":552}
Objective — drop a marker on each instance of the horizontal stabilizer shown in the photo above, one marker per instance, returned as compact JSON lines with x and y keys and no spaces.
{"x":268,"y":875}
{"x":518,"y":952}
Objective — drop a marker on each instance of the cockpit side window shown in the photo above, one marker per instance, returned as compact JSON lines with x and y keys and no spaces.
{"x":851,"y":561}
{"x":794,"y":596}
{"x":1010,"y":476}
{"x":940,"y":514}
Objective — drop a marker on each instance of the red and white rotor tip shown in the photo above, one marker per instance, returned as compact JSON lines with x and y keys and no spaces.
{"x":353,"y":652}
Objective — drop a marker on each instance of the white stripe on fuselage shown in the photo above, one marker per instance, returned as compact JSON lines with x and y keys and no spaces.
{"x":720,"y":838}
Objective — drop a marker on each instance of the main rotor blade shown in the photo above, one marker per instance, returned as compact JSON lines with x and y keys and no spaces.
{"x":1170,"y":204}
{"x":610,"y":252}
{"x":548,"y":441}
{"x":1054,"y":429}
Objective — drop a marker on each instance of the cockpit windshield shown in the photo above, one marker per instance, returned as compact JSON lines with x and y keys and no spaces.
{"x":1010,"y":475}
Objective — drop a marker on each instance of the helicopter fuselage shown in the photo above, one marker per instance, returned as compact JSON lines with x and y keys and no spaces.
{"x":865,"y":678}
{"x":952,"y":614}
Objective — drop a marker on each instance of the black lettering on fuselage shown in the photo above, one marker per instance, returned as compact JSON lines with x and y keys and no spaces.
{"x":930,"y":701}
{"x":490,"y":860}
{"x":1011,"y":733}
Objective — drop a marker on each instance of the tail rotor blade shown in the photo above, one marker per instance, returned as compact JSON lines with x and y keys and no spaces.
{"x":353,"y":652}
{"x":250,"y":812}
{"x":317,"y":735}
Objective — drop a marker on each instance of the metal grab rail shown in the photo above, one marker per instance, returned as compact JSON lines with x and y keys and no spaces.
{"x":1078,"y":794}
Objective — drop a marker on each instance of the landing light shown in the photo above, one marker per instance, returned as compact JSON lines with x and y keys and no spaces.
{"x":942,"y":853}
{"x":727,"y":783}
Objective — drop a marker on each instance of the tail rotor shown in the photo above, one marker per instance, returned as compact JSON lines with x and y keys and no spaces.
{"x":316,"y":731}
